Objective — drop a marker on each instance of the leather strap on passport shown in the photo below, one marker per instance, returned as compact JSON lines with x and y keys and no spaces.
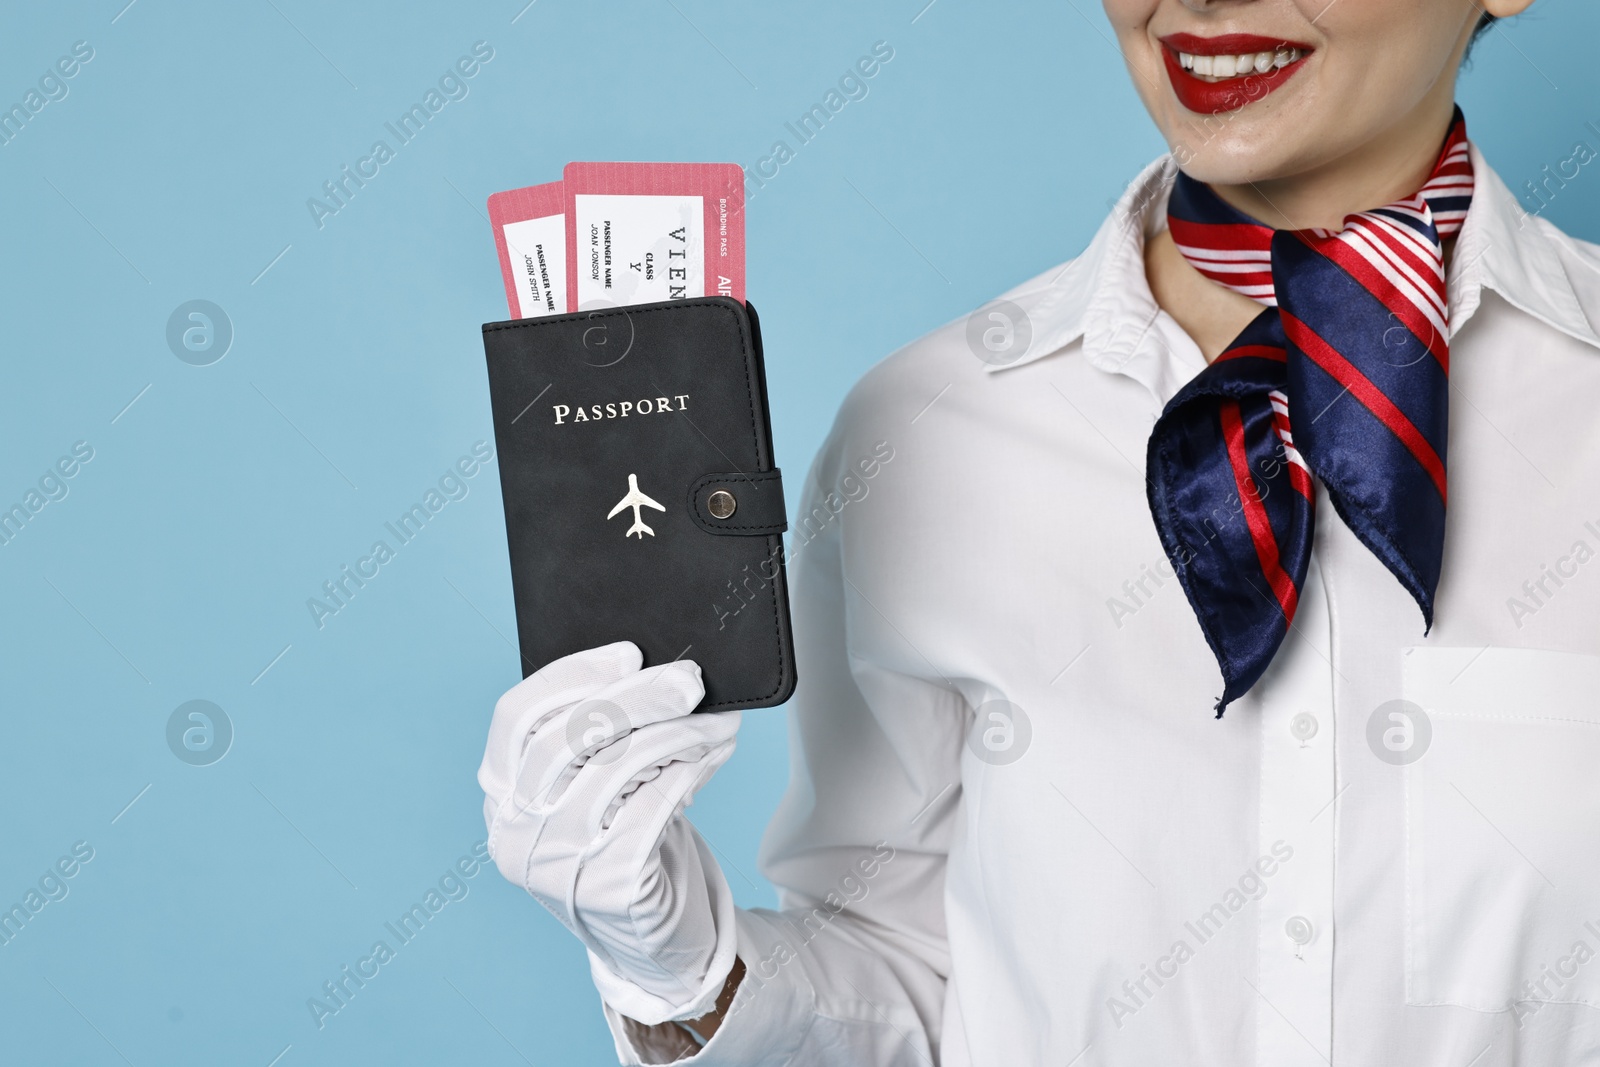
{"x":758,"y":503}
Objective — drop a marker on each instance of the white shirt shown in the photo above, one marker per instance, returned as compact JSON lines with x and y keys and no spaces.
{"x":1119,"y":878}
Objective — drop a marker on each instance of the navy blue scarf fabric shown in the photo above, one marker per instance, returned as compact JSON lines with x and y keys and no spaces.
{"x":1344,"y":375}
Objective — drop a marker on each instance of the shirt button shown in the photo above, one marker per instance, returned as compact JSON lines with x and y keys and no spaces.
{"x":1299,"y":929}
{"x":1303,"y":727}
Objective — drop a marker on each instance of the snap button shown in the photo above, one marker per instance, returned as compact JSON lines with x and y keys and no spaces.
{"x":1303,"y":727}
{"x":1299,"y":929}
{"x":721,"y":504}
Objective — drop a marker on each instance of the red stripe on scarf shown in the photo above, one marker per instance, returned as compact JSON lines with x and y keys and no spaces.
{"x":1255,"y":513}
{"x":1375,"y":400}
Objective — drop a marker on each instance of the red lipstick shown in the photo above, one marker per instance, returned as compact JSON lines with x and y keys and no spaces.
{"x":1197,"y":94}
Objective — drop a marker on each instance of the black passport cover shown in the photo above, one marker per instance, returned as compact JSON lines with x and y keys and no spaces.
{"x":669,"y":399}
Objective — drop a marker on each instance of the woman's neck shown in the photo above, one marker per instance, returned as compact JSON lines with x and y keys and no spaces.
{"x":1209,"y":313}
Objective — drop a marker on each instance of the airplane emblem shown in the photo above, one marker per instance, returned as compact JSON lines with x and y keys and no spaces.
{"x":635,"y":500}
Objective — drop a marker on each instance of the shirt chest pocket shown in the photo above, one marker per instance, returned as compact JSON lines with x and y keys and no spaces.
{"x":1503,"y":828}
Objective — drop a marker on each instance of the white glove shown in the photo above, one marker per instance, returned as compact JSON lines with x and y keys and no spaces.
{"x":589,"y":766}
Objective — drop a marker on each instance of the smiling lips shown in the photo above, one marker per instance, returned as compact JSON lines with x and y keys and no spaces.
{"x":1215,"y":74}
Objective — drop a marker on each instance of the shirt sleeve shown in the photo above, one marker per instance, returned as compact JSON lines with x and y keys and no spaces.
{"x":851,"y":969}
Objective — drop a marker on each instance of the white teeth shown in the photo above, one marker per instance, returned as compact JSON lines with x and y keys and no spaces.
{"x":1236,"y":66}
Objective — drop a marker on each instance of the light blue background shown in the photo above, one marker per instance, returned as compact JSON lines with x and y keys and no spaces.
{"x":178,"y":566}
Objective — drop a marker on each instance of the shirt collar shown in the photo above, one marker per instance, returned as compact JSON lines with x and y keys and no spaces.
{"x":1535,"y":267}
{"x":1103,"y":298}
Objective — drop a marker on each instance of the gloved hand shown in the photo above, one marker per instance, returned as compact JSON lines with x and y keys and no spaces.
{"x":589,"y":766}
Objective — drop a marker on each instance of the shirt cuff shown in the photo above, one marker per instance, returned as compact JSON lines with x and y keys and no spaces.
{"x":768,"y":1019}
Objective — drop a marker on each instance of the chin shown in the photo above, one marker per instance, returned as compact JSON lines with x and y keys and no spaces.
{"x":1241,"y":160}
